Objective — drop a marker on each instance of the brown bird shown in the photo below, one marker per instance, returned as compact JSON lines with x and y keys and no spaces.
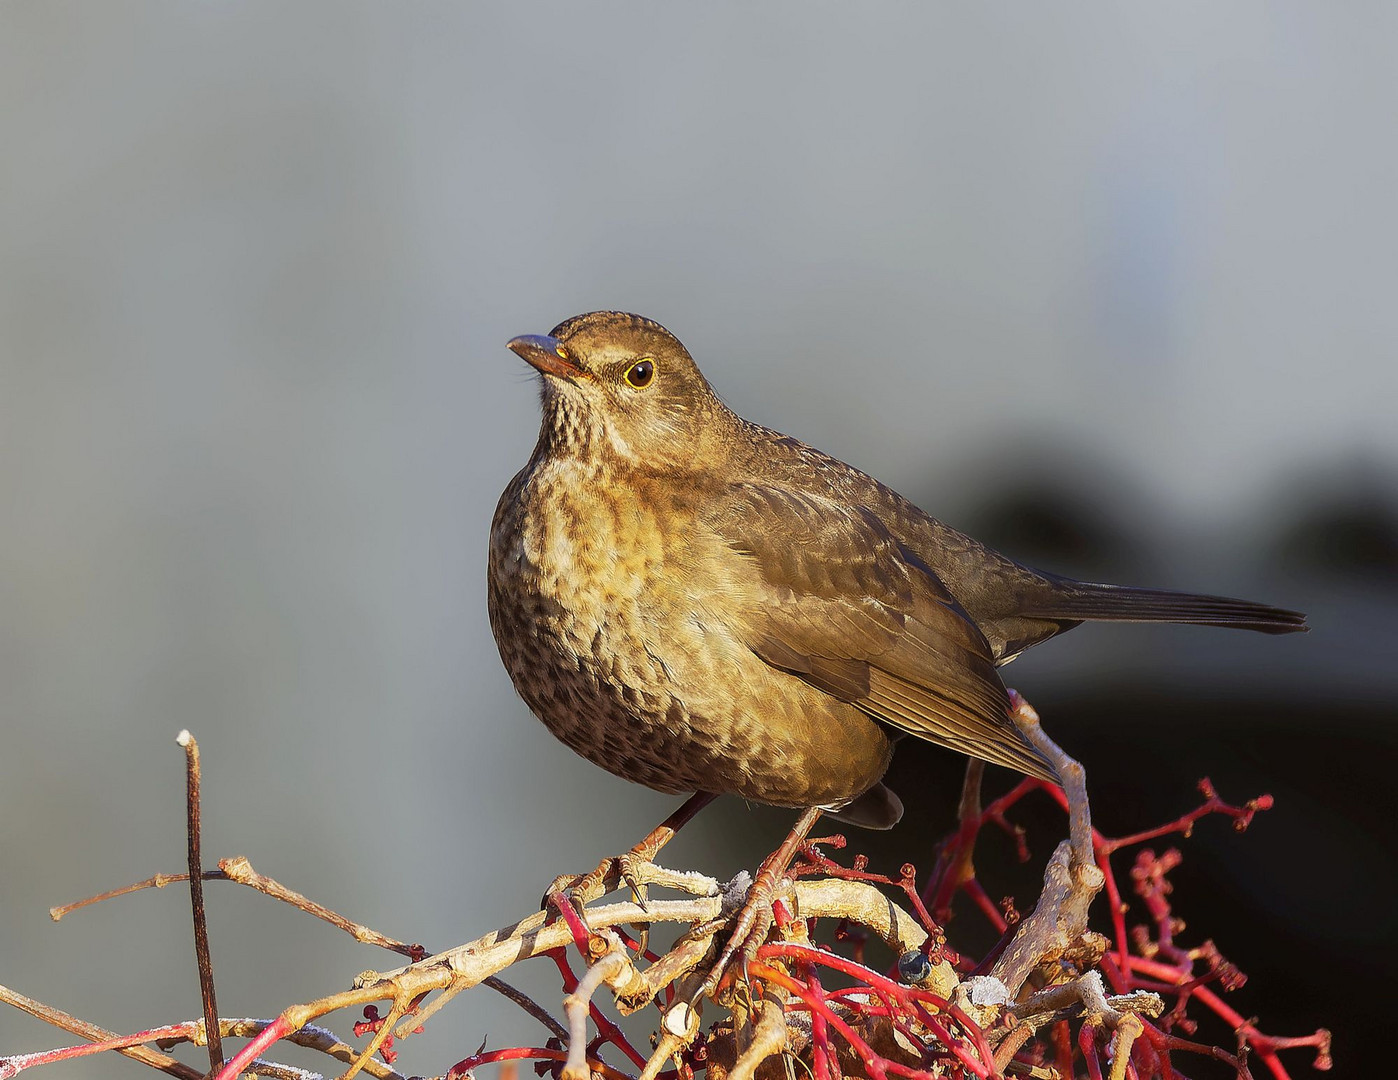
{"x":700,"y":604}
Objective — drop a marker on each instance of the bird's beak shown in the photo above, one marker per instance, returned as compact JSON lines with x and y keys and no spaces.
{"x":547,"y":354}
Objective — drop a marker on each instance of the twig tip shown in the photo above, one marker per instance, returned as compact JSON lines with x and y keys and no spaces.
{"x":184,"y":738}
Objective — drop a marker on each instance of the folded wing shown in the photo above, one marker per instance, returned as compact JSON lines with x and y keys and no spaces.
{"x":833,"y":598}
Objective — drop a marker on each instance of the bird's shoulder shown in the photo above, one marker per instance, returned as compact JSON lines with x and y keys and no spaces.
{"x":988,"y":584}
{"x":764,"y":455}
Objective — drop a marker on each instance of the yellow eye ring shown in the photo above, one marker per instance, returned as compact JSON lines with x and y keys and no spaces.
{"x":640,"y":373}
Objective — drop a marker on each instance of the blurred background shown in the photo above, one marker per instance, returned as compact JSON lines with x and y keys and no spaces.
{"x":1111,"y":287}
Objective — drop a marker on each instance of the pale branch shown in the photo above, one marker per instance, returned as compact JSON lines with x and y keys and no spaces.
{"x":678,"y":1027}
{"x":1087,"y":991}
{"x":1071,"y":880}
{"x":1127,"y":1032}
{"x":612,"y":967}
{"x":1071,"y":775}
{"x":240,"y":871}
{"x":769,"y":1035}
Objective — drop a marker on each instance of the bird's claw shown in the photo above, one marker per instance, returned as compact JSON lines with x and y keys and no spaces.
{"x":629,"y":868}
{"x":579,"y":890}
{"x":750,"y":926}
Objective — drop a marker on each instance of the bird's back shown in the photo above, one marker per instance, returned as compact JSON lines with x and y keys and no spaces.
{"x":990,"y":586}
{"x":1014,"y":606}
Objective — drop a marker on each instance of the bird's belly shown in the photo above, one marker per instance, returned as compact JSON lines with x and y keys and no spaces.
{"x":639,"y":677}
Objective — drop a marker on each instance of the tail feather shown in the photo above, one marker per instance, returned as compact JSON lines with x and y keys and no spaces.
{"x":1090,"y":601}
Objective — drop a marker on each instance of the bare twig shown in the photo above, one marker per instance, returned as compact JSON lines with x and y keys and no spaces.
{"x":525,"y":1002}
{"x":159,"y":881}
{"x":240,"y":870}
{"x":1086,"y":990}
{"x":60,"y":1019}
{"x":1126,"y":1034}
{"x":769,"y":1035}
{"x":1071,"y":879}
{"x":577,"y":1007}
{"x":196,"y":900}
{"x":313,"y":1038}
{"x":1070,"y":774}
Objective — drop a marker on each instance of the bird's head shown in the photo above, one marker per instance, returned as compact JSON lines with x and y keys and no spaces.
{"x":619,"y":383}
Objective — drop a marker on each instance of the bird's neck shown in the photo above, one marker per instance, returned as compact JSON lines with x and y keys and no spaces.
{"x":569,"y":429}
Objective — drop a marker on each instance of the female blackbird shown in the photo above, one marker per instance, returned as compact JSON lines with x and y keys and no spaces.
{"x":699,"y":604}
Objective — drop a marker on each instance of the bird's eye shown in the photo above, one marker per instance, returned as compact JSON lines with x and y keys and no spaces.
{"x":641,"y":373}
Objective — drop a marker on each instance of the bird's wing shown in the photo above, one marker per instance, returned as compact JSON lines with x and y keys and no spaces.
{"x":831,"y":596}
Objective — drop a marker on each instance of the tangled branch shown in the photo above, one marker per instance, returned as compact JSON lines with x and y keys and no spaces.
{"x":1053,"y":997}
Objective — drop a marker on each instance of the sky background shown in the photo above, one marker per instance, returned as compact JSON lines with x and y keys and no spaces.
{"x":1113,"y":284}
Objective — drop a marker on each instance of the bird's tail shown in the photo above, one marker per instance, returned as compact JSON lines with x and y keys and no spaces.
{"x":1089,"y":601}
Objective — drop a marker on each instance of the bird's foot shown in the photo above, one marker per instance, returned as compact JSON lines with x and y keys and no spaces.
{"x":751,"y":922}
{"x":611,"y":873}
{"x":748,"y":928}
{"x":634,"y":869}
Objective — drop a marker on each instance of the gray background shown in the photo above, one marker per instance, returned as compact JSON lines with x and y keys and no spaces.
{"x":257,"y":266}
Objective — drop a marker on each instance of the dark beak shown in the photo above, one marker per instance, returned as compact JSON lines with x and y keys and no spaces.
{"x":547,"y":354}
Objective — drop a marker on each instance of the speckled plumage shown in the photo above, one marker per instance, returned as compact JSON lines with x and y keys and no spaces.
{"x":697,"y":603}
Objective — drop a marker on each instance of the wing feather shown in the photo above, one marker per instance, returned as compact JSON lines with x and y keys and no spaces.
{"x":832,"y":597}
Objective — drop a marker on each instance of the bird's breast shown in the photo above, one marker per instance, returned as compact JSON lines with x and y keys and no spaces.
{"x":574,"y":537}
{"x":581,"y":600}
{"x":611,"y":603}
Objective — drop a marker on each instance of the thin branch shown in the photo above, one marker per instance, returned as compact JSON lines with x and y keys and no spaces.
{"x":238,"y":869}
{"x":60,"y":1019}
{"x":1126,"y":1033}
{"x":525,"y":1002}
{"x":159,"y":881}
{"x":311,"y":1037}
{"x":196,"y":900}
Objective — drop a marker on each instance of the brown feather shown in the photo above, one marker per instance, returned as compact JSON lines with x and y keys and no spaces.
{"x":835,"y":600}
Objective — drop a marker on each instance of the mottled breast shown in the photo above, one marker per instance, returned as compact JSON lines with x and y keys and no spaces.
{"x":577,"y":586}
{"x":610,"y":602}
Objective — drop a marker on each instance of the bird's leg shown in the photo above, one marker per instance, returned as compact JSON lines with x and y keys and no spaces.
{"x":581,"y":890}
{"x":750,"y":924}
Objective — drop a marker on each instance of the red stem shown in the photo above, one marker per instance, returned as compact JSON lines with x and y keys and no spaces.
{"x":278,"y":1029}
{"x":820,"y":1031}
{"x":887,"y":988}
{"x":872,"y":1061}
{"x":516,"y":1053}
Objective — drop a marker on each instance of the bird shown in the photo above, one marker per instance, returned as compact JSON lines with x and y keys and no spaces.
{"x":700,"y":604}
